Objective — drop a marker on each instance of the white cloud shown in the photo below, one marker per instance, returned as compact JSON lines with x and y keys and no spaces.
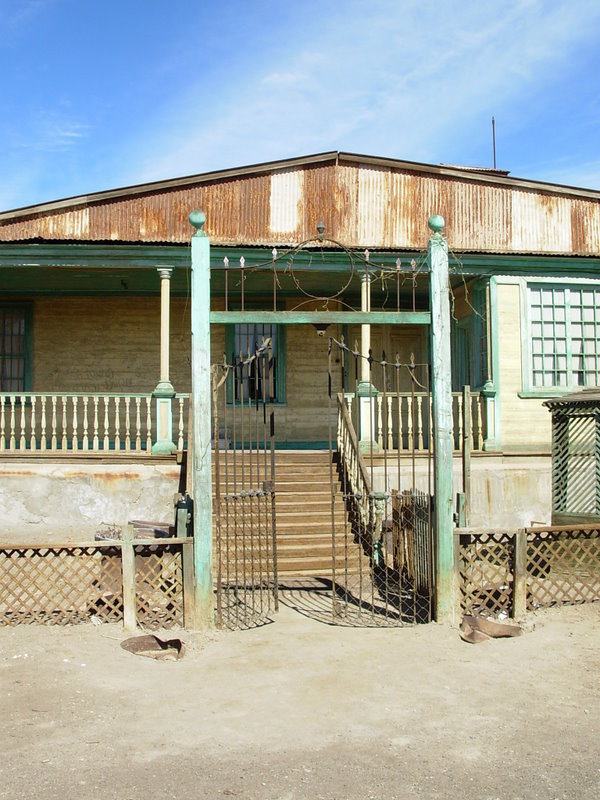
{"x":395,"y":79}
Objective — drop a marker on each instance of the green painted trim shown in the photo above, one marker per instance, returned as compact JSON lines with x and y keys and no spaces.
{"x":494,"y":349}
{"x":280,"y":370}
{"x":143,"y":256}
{"x":331,"y":317}
{"x":527,"y":388}
{"x":547,"y":394}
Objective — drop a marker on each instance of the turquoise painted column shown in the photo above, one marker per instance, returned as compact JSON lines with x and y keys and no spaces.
{"x":437,"y":256}
{"x":164,"y":392}
{"x":201,"y":410}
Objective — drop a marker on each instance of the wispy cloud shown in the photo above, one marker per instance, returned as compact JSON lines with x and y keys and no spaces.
{"x":48,"y":131}
{"x":390,"y":80}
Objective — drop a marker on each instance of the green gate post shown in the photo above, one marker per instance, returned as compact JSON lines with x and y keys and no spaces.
{"x":201,"y":415}
{"x":437,"y":256}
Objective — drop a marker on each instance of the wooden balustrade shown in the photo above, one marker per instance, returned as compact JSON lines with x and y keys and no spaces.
{"x":403,"y":420}
{"x":84,"y":423}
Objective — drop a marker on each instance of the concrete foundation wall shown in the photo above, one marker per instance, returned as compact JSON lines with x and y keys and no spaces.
{"x":58,"y":502}
{"x":506,"y":490}
{"x":55,"y":502}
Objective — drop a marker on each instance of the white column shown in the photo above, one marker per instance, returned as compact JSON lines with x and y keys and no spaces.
{"x":367,"y":393}
{"x":164,"y":391}
{"x":365,"y":330}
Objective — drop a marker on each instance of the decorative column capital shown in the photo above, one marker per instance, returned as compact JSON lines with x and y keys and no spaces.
{"x":164,"y":272}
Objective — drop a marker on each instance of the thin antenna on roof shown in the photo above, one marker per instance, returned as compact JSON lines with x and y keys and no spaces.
{"x":494,"y":139}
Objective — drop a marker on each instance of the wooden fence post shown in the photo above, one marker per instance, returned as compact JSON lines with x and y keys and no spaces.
{"x":128,"y":573}
{"x":189,"y":588}
{"x":467,"y":446}
{"x":519,"y":604}
{"x":437,"y":257}
{"x":201,"y":424}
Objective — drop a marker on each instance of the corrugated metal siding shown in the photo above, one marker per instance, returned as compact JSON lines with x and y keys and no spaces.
{"x":362,"y":205}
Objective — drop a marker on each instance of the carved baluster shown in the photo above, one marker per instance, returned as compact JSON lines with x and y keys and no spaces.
{"x":22,"y":439}
{"x":53,"y":439}
{"x":127,"y":425}
{"x":106,"y":438}
{"x":457,"y":439}
{"x":379,"y":421}
{"x":117,"y":424}
{"x":138,"y":424}
{"x":148,"y":425}
{"x":180,"y":435}
{"x":419,"y":422}
{"x":75,"y":437}
{"x":390,"y":422}
{"x":12,"y":442}
{"x":63,"y":441}
{"x":32,"y":432}
{"x":43,"y":442}
{"x":95,"y":439}
{"x":86,"y":438}
{"x":476,"y":424}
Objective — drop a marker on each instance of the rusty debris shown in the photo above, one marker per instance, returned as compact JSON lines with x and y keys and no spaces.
{"x":152,"y":646}
{"x":475,"y":630}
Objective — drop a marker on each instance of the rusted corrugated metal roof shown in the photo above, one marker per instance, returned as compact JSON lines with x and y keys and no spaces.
{"x":364,"y":202}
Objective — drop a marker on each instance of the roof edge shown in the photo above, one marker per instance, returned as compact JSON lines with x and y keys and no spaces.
{"x":478,"y":175}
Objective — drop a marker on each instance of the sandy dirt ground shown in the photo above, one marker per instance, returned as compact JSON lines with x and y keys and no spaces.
{"x":299,"y":709}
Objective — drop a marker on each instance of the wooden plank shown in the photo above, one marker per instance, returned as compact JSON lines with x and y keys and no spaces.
{"x":329,"y":317}
{"x":189,"y":589}
{"x":128,"y":572}
{"x":519,"y":605}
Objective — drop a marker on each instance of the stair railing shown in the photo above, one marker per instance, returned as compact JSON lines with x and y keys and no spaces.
{"x":353,"y":464}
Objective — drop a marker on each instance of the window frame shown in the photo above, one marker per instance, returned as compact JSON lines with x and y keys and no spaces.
{"x":27,"y":311}
{"x":280,"y":364}
{"x":527,"y":364}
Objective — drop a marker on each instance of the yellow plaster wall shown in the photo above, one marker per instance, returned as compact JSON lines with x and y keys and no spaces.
{"x":524,"y":422}
{"x":113,"y":345}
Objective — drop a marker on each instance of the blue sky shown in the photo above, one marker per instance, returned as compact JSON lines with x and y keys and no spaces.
{"x":101,"y":95}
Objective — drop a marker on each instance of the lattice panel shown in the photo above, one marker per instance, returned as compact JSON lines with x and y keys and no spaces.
{"x":159,"y":586}
{"x":60,"y":585}
{"x":485,"y":572}
{"x":563,"y":566}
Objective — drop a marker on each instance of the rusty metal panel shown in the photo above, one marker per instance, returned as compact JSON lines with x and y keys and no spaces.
{"x":363,"y":202}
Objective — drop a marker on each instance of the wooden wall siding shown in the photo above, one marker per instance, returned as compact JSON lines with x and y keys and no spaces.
{"x":523,"y":422}
{"x":363,"y":205}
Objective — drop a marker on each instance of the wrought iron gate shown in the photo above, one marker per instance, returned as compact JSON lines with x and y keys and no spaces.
{"x":243,"y":488}
{"x":382,"y":547}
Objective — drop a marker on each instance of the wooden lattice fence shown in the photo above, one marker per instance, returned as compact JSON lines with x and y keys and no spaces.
{"x":509,"y":572}
{"x":145,"y":581}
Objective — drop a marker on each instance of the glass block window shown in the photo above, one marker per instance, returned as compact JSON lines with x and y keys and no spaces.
{"x":13,"y":349}
{"x":564,"y":336}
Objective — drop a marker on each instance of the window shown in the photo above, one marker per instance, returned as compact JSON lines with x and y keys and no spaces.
{"x":15,"y":356}
{"x":470,"y":345}
{"x":252,"y":380}
{"x":564,"y":328}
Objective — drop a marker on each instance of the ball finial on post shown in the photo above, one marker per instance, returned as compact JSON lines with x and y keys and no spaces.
{"x":436,"y":223}
{"x":197,"y":220}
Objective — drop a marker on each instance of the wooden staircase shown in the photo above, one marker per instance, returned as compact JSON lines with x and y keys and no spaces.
{"x":303,"y":517}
